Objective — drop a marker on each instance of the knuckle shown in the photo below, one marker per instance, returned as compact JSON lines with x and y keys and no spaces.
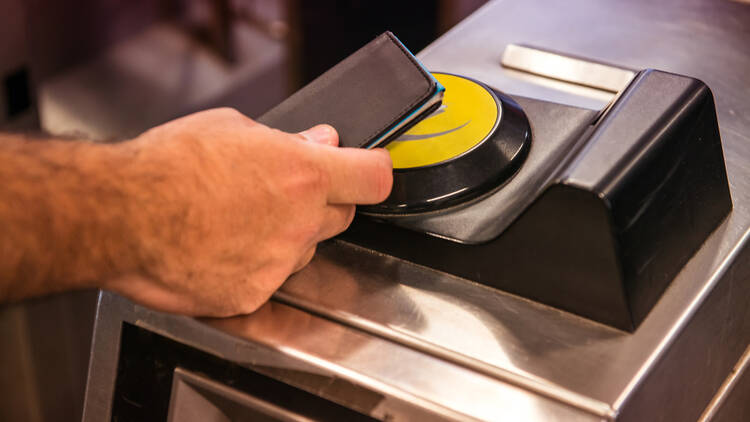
{"x":276,"y":133}
{"x":227,"y":112}
{"x":250,"y":305}
{"x":298,"y":137}
{"x":304,"y":182}
{"x":231,"y":119}
{"x":258,"y":288}
{"x":316,"y":178}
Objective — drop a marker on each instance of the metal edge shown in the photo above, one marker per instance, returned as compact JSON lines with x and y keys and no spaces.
{"x":742,"y":366}
{"x":102,"y":371}
{"x":532,"y":384}
{"x":514,"y":55}
{"x":685,"y":318}
{"x":183,"y":334}
{"x":247,"y":352}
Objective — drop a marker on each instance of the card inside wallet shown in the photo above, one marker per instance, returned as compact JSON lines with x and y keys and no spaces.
{"x":371,"y":97}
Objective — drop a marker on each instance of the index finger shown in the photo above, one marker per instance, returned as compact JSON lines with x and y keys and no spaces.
{"x":358,"y":176}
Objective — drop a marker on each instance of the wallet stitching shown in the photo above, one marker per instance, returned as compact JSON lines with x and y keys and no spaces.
{"x":419,"y":68}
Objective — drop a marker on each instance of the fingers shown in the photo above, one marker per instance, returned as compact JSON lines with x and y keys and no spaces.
{"x":336,"y":218}
{"x":306,"y":258}
{"x":321,"y":134}
{"x":358,"y":176}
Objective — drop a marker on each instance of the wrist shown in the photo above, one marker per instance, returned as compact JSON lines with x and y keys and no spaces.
{"x":102,"y":226}
{"x":145,"y":194}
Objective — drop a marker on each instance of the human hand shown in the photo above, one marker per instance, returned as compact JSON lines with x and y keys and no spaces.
{"x":228,"y":208}
{"x":277,"y":323}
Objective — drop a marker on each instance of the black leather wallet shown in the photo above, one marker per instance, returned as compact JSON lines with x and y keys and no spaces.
{"x":370,"y":97}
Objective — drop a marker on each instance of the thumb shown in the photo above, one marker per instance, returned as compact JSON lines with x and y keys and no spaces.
{"x":321,"y":134}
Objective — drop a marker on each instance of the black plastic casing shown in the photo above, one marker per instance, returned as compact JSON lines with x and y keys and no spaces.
{"x":476,"y":172}
{"x":616,"y":224}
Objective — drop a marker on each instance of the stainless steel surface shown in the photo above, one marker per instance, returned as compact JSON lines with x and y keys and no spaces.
{"x":438,"y":346}
{"x":514,"y":339}
{"x":728,"y":403}
{"x":420,"y":309}
{"x":567,"y":69}
{"x":44,"y":356}
{"x":189,"y":402}
{"x":385,"y":380}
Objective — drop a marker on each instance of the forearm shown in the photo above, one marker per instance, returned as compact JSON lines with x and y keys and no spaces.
{"x":63,"y":215}
{"x":204,"y":215}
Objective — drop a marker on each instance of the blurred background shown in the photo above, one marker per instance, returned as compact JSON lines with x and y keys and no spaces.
{"x":110,"y":69}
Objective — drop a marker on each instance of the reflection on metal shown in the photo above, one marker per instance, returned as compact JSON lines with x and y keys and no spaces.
{"x":280,"y":341}
{"x":599,"y":96}
{"x":566,"y":68}
{"x":197,"y":398}
{"x":459,"y":336}
{"x":741,"y":372}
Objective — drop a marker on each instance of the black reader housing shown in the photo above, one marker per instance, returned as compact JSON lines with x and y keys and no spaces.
{"x":633,"y":193}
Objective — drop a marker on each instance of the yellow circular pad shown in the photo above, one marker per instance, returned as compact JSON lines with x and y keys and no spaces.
{"x":465,"y":119}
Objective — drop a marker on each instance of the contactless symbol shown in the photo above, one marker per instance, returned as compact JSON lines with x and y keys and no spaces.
{"x":466,"y":118}
{"x":407,"y":137}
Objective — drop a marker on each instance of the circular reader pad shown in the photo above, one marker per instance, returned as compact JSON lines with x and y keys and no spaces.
{"x":472,"y":144}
